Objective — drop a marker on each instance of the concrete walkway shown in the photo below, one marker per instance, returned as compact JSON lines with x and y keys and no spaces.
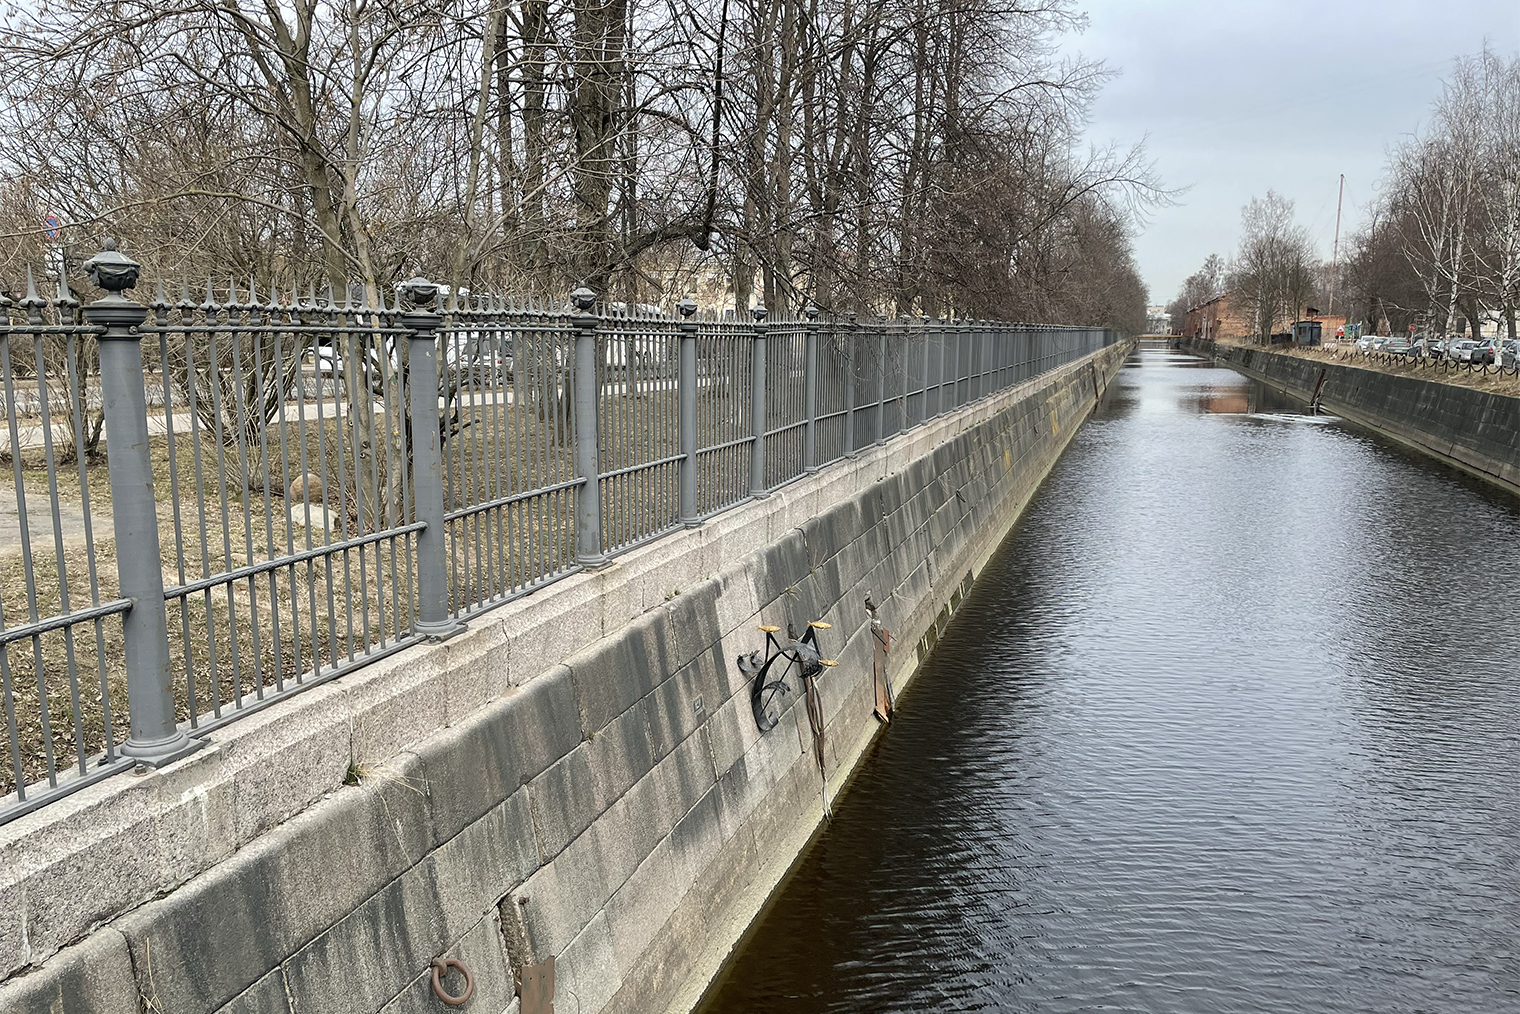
{"x":39,"y":519}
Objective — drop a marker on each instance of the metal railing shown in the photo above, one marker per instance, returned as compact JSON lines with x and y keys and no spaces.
{"x":226,"y":498}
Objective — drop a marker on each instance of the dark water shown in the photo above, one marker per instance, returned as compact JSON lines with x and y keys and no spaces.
{"x":1232,"y":723}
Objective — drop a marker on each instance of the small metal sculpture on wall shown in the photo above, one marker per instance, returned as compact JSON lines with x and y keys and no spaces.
{"x":768,"y":672}
{"x":799,"y":655}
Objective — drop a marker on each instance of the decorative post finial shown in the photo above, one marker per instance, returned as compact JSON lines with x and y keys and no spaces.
{"x":583,"y":299}
{"x":759,"y":312}
{"x":111,"y":270}
{"x":418,"y":291}
{"x":687,"y":307}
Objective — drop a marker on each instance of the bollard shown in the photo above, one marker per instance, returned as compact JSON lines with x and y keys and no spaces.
{"x":432,"y":620}
{"x":810,"y":393}
{"x":588,"y":502}
{"x":156,"y":738}
{"x":686,"y":416}
{"x":757,"y":406}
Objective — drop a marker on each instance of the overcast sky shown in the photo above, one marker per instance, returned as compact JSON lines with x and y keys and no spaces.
{"x":1238,"y":96}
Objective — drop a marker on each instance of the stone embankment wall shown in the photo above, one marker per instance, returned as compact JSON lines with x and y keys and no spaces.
{"x":579,"y":776}
{"x":1475,"y":431}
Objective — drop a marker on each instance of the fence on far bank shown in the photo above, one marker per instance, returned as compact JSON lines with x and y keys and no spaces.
{"x":296,"y":486}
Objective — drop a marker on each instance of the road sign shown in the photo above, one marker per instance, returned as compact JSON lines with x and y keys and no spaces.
{"x":53,"y":225}
{"x":1411,"y":329}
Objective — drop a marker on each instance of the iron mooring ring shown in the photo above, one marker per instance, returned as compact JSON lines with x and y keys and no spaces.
{"x":441,"y":968}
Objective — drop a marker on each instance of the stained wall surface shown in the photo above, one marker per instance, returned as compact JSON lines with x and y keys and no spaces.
{"x":590,"y":783}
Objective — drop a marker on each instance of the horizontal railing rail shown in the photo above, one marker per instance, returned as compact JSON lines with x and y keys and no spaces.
{"x":227,"y":498}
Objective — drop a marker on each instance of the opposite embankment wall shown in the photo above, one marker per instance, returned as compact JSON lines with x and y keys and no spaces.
{"x":1475,"y":431}
{"x":614,"y":807}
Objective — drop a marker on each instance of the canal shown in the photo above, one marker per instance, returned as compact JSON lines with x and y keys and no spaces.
{"x":1230,"y":723}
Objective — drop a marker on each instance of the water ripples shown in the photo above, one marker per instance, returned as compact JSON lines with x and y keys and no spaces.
{"x":1230,"y":724}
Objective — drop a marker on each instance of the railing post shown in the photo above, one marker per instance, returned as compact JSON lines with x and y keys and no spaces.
{"x":983,"y":346}
{"x":1005,"y":356}
{"x":881,"y":379}
{"x":999,"y":347}
{"x":849,"y":386}
{"x":902,"y":384}
{"x":757,"y":405}
{"x":964,"y":346}
{"x":432,"y":620}
{"x":588,"y":502}
{"x":156,"y":737}
{"x":686,"y":416}
{"x":942,"y":326}
{"x":923,"y":402}
{"x":810,"y":393}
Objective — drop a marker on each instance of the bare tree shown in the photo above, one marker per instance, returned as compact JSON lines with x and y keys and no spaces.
{"x":1274,"y":267}
{"x":911,"y":155}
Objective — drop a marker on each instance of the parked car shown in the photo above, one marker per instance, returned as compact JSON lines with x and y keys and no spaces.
{"x":1509,"y":352}
{"x":1367,"y":343}
{"x":1458,"y":351}
{"x":1396,"y":347}
{"x":1420,"y":347}
{"x":1483,"y":352}
{"x":478,"y":359}
{"x":328,"y":361}
{"x":1437,"y":348}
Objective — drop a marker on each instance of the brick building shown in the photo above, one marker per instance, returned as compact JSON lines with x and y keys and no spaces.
{"x":1220,"y":317}
{"x":1224,"y":318}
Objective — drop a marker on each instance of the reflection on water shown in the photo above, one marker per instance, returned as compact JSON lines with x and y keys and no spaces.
{"x":1231,"y":724}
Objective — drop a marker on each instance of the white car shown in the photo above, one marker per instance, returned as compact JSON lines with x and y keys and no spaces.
{"x":488,"y":358}
{"x":328,"y":361}
{"x":1461,"y":351}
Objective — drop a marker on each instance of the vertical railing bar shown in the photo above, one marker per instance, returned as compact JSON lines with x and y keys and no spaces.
{"x":332,"y":516}
{"x":6,"y":686}
{"x":282,"y":384}
{"x":34,"y":307}
{"x":389,"y":473}
{"x":303,"y":447}
{"x":240,"y":410}
{"x":377,"y":368}
{"x":70,"y":662}
{"x":266,"y":316}
{"x":215,"y":362}
{"x":343,"y":410}
{"x":361,"y":391}
{"x":213,"y":670}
